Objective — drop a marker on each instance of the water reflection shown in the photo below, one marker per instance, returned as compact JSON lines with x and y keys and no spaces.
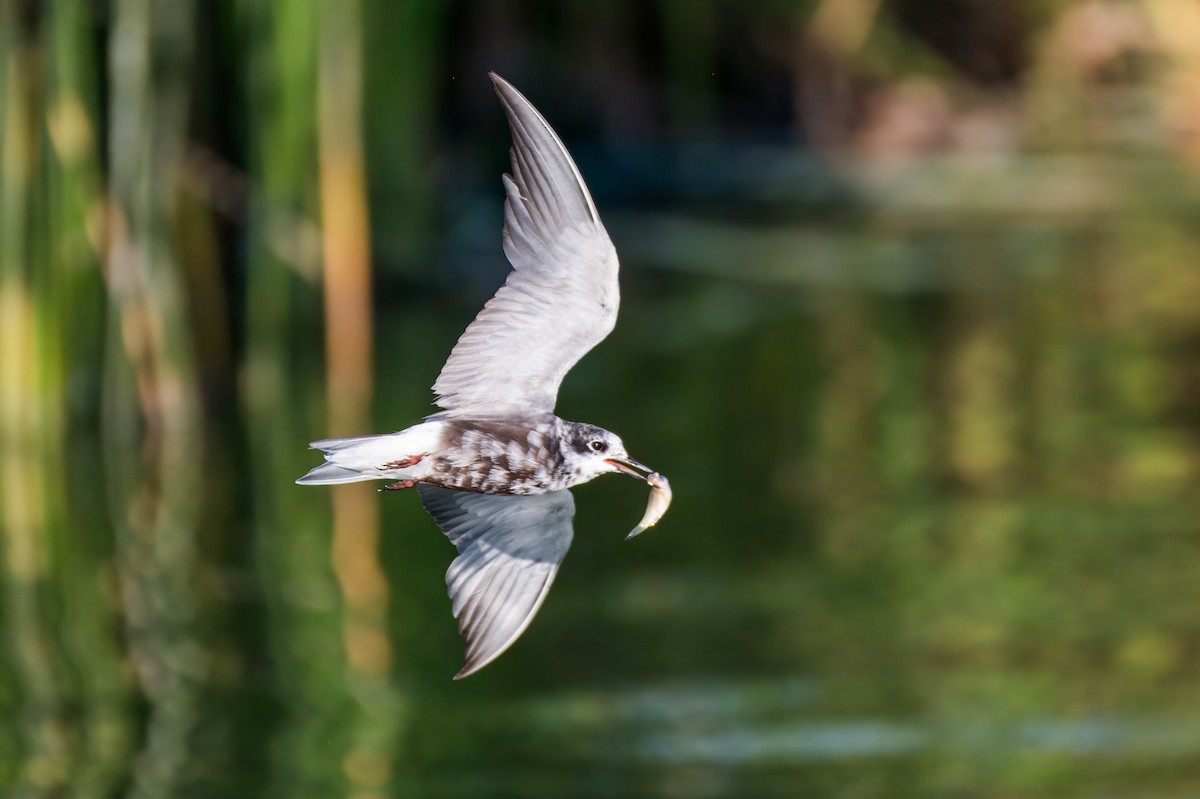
{"x":816,"y":740}
{"x":940,"y":537}
{"x":931,"y":426}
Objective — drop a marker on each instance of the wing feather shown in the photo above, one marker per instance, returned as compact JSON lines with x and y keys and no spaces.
{"x":509,"y":548}
{"x":561,"y":298}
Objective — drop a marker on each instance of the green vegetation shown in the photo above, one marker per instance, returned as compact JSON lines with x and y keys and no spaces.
{"x":911,"y":319}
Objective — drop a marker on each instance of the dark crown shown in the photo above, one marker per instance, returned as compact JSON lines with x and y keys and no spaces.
{"x":582,"y":435}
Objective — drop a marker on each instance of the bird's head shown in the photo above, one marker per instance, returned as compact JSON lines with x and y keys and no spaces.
{"x":597,"y":451}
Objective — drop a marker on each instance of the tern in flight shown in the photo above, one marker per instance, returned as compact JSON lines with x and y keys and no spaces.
{"x":494,"y":466}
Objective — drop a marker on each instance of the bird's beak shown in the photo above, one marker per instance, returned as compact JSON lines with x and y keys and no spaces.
{"x":630,"y":467}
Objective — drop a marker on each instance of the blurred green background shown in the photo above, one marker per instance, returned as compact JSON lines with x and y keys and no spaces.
{"x":911,"y":317}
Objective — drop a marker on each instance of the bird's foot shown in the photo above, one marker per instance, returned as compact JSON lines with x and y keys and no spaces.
{"x":404,"y":463}
{"x":399,"y":485}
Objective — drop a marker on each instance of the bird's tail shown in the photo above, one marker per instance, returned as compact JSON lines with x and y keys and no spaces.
{"x":330,"y":473}
{"x":328,"y":445}
{"x":392,"y":456}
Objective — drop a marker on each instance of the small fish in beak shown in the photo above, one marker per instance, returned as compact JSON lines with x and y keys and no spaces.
{"x":656,"y":507}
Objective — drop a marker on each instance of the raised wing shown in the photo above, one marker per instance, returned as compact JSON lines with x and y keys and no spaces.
{"x":561,"y":298}
{"x":509,"y":550}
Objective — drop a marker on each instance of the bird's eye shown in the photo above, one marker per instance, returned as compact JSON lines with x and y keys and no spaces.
{"x":598,"y":446}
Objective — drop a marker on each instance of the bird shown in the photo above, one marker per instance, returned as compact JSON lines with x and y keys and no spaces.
{"x":495,"y":465}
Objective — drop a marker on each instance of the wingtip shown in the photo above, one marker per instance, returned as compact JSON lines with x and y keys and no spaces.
{"x":506,"y":91}
{"x":469,"y":667}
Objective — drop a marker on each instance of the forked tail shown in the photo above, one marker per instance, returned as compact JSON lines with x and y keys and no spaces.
{"x":330,"y":473}
{"x":392,"y":456}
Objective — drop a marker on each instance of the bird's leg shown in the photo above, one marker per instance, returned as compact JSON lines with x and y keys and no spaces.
{"x":404,"y":463}
{"x":399,"y":485}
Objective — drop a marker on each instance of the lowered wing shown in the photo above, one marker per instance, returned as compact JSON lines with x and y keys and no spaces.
{"x":509,"y":551}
